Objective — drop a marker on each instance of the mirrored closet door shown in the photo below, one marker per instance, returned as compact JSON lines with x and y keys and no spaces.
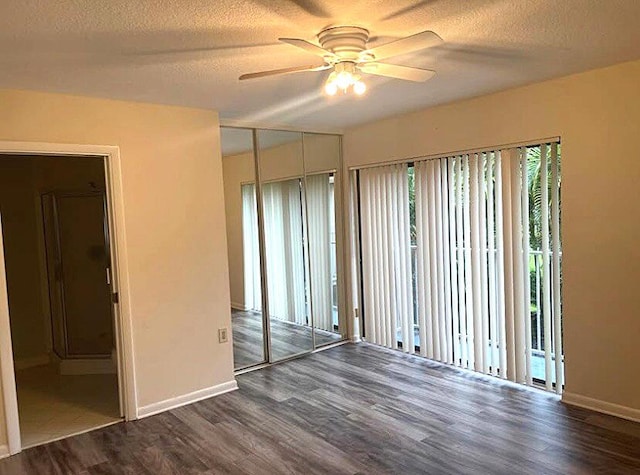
{"x":283,"y":237}
{"x":283,"y":194}
{"x":322,"y":164}
{"x":240,"y":193}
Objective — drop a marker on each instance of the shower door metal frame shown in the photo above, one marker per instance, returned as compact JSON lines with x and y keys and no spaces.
{"x":55,"y":194}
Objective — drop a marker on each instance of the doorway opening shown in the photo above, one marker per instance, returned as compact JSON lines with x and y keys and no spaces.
{"x":59,"y":283}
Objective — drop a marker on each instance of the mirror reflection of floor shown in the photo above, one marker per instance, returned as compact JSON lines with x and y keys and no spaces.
{"x":52,"y":406}
{"x":287,"y":338}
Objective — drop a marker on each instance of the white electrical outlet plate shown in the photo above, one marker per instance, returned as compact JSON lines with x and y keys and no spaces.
{"x":223,"y":335}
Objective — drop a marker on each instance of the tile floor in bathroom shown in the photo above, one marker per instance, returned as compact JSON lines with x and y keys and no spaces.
{"x":52,"y":406}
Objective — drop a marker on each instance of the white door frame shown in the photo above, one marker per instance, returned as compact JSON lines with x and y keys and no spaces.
{"x":120,"y":277}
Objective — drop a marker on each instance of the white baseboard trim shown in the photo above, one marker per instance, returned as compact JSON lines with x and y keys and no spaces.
{"x":4,"y":451}
{"x":31,"y":362}
{"x":239,"y":306}
{"x":199,"y":395}
{"x":604,"y":407}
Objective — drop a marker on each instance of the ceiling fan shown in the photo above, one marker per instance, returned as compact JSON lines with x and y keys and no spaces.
{"x":344,"y":50}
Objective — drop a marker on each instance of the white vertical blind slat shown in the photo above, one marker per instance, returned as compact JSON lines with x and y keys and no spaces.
{"x":525,"y":261}
{"x":433,"y":254}
{"x":555,"y":249}
{"x":484,"y":284}
{"x":462,"y":309}
{"x":390,"y":218}
{"x":408,"y":262}
{"x":492,"y":275}
{"x":476,"y":263}
{"x":519,"y":273}
{"x":428,"y":264}
{"x":379,"y":260}
{"x":422,"y":256}
{"x":442,"y":325}
{"x":546,"y":265}
{"x":368,"y":261}
{"x":446,"y":256}
{"x":468,"y":272}
{"x":455,"y":322}
{"x":404,"y":274}
{"x":500,"y":265}
{"x":507,"y":229}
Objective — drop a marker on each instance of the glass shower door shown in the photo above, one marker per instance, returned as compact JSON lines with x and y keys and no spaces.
{"x":77,"y":261}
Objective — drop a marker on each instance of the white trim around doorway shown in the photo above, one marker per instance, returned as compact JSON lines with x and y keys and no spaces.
{"x":124,"y":332}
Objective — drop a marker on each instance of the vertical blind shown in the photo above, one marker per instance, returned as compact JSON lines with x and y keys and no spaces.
{"x":291,"y":281}
{"x":284,"y":244}
{"x":475,"y":217}
{"x":386,"y":249}
{"x":251,"y":250}
{"x":320,"y":226}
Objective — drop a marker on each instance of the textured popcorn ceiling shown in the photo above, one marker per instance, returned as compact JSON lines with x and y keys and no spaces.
{"x":189,"y":52}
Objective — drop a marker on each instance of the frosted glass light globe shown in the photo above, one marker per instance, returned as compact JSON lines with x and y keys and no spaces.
{"x":359,"y":88}
{"x":330,"y":88}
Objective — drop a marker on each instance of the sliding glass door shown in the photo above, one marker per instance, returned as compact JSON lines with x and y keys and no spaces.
{"x":461,"y":260}
{"x":283,"y":237}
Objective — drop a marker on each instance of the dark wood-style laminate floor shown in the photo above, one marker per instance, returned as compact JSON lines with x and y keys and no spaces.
{"x":354,"y":409}
{"x":287,"y":339}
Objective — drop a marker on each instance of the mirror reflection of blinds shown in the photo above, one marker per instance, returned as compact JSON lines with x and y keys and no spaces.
{"x":284,"y":245}
{"x":319,"y":196}
{"x":251,"y":249}
{"x":291,"y":282}
{"x":473,"y":264}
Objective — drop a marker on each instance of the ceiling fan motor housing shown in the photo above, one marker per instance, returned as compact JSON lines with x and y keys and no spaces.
{"x":346,"y":42}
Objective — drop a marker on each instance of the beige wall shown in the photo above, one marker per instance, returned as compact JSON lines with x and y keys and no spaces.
{"x":175,"y":232}
{"x":282,"y":162}
{"x":238,"y":170}
{"x":597,"y":115}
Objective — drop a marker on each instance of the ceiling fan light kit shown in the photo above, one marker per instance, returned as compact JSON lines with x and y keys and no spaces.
{"x":343,"y":77}
{"x":345,"y":52}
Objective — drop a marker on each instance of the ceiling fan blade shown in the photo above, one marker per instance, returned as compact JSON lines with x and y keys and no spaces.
{"x":277,"y":72}
{"x":398,"y":72}
{"x":406,"y":45}
{"x":308,"y":47}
